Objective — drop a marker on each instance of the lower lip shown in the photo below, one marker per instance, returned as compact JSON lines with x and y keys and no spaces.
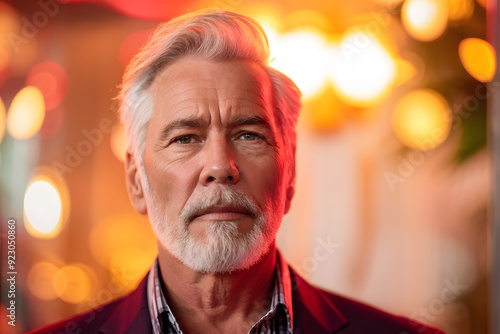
{"x":222,"y":216}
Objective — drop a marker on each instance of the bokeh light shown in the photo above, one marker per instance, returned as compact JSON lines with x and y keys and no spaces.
{"x":478,"y":58}
{"x":406,"y":71}
{"x":424,"y":20}
{"x":2,"y":120}
{"x":388,"y":3}
{"x":39,"y":280}
{"x":363,"y":70}
{"x":308,"y":17}
{"x":72,"y":284}
{"x":268,"y":14}
{"x":325,"y":113}
{"x":460,"y":10}
{"x":26,"y":113}
{"x":131,"y":264}
{"x":46,"y":204}
{"x":42,"y":206}
{"x":421,"y":119}
{"x":125,"y":246}
{"x":52,"y":81}
{"x":119,"y":142}
{"x":302,"y":55}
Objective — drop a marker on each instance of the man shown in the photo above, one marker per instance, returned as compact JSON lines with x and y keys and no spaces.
{"x":211,"y":161}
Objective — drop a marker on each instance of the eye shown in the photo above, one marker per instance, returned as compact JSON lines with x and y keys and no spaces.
{"x":250,"y":136}
{"x":186,"y":139}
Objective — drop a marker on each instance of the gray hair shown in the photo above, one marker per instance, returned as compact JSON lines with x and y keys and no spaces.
{"x":217,"y":35}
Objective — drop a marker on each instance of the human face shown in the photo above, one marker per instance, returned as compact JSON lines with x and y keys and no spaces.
{"x":214,"y":162}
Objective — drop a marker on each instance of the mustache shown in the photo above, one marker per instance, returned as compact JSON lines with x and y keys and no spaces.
{"x":228,"y":196}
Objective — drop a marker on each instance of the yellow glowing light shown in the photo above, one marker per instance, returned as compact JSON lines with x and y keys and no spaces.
{"x":42,"y":209}
{"x":119,"y":142}
{"x":120,"y":232}
{"x":324,"y":113}
{"x":130,"y":265}
{"x":460,"y":10}
{"x":72,"y":284}
{"x":302,"y":55}
{"x":46,"y":203}
{"x":125,"y":246}
{"x":2,"y":119}
{"x":424,"y":20}
{"x":389,"y":3}
{"x":307,"y":17}
{"x":405,"y":71}
{"x":40,"y":279}
{"x":363,"y":71}
{"x":52,"y":81}
{"x":479,"y":58}
{"x":421,"y":119}
{"x":26,"y":113}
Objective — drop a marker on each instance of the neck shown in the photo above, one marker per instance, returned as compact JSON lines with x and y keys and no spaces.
{"x":218,"y":299}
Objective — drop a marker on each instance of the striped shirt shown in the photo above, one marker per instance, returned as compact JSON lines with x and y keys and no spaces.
{"x":277,"y":320}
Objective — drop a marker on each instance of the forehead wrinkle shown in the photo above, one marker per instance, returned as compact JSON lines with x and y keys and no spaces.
{"x":261,"y":104}
{"x":192,"y":106}
{"x":173,"y":93}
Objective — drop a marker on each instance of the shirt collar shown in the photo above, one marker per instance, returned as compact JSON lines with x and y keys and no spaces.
{"x":283,"y":279}
{"x":160,"y":312}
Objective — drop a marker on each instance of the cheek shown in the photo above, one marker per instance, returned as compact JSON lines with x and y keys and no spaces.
{"x":171,"y":183}
{"x":265,"y":175}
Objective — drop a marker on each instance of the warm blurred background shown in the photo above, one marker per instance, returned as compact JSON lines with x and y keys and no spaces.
{"x":393,"y":171}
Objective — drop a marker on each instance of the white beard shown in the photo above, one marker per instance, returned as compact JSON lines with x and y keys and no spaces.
{"x":224,"y":249}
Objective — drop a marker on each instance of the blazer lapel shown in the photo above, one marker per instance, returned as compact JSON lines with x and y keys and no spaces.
{"x":131,"y":315}
{"x":312,"y":312}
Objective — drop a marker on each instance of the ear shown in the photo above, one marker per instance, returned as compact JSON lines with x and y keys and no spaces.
{"x":290,"y":190}
{"x":135,"y":187}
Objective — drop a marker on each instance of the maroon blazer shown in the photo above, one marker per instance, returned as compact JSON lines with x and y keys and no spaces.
{"x":315,"y":311}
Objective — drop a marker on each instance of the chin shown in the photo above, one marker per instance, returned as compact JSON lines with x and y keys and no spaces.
{"x":224,"y":250}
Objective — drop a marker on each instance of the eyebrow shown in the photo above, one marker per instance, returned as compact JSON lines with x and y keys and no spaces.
{"x":181,"y":124}
{"x":251,"y":120}
{"x":199,"y":122}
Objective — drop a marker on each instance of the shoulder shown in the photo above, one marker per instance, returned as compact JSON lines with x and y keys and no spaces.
{"x":123,"y":315}
{"x":365,"y":316}
{"x":357,"y":317}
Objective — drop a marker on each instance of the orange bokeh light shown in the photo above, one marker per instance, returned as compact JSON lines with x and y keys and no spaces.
{"x":115,"y":239}
{"x":478,"y":58}
{"x":40,"y":278}
{"x":26,"y":113}
{"x":52,"y":81}
{"x":72,"y":284}
{"x":425,"y":20}
{"x":421,"y":119}
{"x":460,"y":10}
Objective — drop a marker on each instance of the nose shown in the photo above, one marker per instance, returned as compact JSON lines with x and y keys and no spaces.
{"x":220,"y":165}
